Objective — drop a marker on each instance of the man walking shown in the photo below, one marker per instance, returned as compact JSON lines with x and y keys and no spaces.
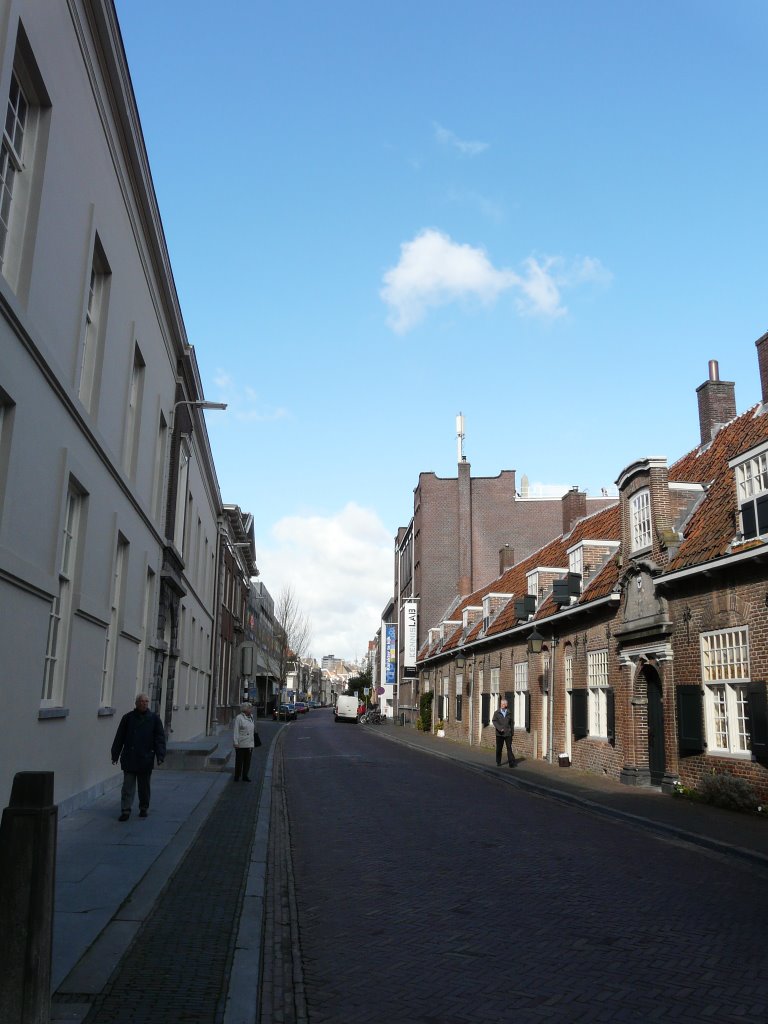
{"x":502,"y":723}
{"x":140,"y":738}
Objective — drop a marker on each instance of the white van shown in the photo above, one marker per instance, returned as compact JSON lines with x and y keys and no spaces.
{"x":346,"y":709}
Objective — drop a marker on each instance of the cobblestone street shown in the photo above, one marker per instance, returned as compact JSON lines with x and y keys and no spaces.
{"x":428,"y":894}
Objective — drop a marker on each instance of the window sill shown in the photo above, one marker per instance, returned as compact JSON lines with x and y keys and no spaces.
{"x":52,"y":713}
{"x":105,"y":712}
{"x":732,"y":755}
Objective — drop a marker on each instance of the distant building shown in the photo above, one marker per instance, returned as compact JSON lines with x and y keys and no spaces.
{"x":465,"y":530}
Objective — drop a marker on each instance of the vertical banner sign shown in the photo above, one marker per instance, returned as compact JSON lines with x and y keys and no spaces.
{"x":409,"y":623}
{"x":391,"y":652}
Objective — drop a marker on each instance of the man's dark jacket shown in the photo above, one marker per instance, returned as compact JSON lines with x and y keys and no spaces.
{"x":140,"y":738}
{"x":501,"y":723}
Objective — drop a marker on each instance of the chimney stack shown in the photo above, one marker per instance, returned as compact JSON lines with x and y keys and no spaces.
{"x":506,"y":558}
{"x":574,"y":507}
{"x":762,"y":362}
{"x":717,"y":403}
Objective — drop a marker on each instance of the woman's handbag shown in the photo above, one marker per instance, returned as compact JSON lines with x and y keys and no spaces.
{"x":256,"y":740}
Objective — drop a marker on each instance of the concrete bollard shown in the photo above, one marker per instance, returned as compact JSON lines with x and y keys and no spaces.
{"x":27,"y":870}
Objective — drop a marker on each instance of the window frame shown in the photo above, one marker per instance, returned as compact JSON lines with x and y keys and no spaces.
{"x":598,"y":685}
{"x":640,"y":520}
{"x":62,"y":604}
{"x":520,"y":693}
{"x":726,"y":679}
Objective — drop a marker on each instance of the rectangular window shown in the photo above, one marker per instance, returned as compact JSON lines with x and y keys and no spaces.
{"x":147,"y":615}
{"x":133,"y":414}
{"x":569,"y":672}
{"x":446,"y":688}
{"x":726,"y":673}
{"x":640,"y":520}
{"x":158,"y":474}
{"x":92,"y":344}
{"x":182,"y":478}
{"x":521,"y":689}
{"x":113,"y":627}
{"x":60,"y":617}
{"x":11,"y":158}
{"x":597,"y":683}
{"x":576,"y":561}
{"x":494,"y":684}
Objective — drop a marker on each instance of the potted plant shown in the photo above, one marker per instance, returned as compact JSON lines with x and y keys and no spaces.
{"x":440,"y":727}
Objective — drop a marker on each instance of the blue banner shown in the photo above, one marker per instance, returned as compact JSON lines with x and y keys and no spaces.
{"x":390,"y":653}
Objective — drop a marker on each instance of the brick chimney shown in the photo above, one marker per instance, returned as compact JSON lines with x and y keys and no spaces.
{"x":574,"y":507}
{"x":465,"y":529}
{"x":506,"y":558}
{"x":762,"y":362}
{"x":717,"y":403}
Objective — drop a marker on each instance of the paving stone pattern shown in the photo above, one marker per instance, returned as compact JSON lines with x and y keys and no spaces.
{"x":282,"y":998}
{"x":177,"y":970}
{"x":433,"y":895}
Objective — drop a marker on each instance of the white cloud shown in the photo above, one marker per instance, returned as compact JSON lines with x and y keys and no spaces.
{"x":245,"y":404}
{"x":448,"y":138}
{"x":340,"y":568}
{"x":433,"y":271}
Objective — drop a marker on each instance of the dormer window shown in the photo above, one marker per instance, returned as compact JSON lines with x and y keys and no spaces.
{"x":752,"y":494}
{"x":576,"y":560}
{"x":640,"y":520}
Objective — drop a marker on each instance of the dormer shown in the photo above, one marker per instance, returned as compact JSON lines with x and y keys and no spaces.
{"x":645,"y":506}
{"x":588,"y":557}
{"x":540,"y":580}
{"x":492,"y":605}
{"x":751,"y":473}
{"x":447,"y":628}
{"x":433,"y":635}
{"x":471,"y":616}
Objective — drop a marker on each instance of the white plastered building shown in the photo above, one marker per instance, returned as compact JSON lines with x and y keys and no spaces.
{"x":109,"y":503}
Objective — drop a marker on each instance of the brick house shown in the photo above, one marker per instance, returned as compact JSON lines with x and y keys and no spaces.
{"x":464,"y":531}
{"x":633,"y":644}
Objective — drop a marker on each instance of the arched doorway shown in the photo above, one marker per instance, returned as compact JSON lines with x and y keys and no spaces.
{"x":657,"y":761}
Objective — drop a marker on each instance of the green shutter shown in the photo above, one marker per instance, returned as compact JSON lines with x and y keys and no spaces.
{"x":757,"y":695}
{"x":485,"y":708}
{"x":690,"y":720}
{"x":579,"y":714}
{"x":527,"y":712}
{"x":610,"y":708}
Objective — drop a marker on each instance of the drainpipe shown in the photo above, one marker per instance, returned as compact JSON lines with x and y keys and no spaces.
{"x":216,"y":628}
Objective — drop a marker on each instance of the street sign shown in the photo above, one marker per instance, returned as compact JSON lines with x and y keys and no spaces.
{"x":380,"y":690}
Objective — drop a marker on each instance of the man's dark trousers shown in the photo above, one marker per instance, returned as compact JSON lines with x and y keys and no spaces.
{"x":503,"y":740}
{"x":130,"y":782}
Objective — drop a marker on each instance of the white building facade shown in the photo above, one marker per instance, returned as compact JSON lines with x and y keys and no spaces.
{"x":109,"y":501}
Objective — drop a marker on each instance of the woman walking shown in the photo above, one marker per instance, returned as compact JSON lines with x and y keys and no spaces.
{"x":244,"y":733}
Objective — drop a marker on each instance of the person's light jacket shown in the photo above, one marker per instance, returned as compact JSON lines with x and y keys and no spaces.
{"x":244,"y":730}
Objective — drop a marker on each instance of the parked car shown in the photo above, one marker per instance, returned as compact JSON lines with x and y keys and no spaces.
{"x":284,"y":712}
{"x":301,"y":707}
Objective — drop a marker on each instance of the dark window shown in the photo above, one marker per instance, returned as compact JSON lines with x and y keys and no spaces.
{"x":458,"y":707}
{"x":754,"y":517}
{"x":690,"y":720}
{"x":527,"y":712}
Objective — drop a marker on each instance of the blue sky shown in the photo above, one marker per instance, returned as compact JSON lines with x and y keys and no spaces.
{"x":546,"y":215}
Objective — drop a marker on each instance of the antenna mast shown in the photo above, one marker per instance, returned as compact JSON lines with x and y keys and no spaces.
{"x":460,"y":437}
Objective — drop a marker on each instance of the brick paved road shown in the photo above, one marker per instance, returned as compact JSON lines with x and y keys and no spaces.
{"x":430,"y":894}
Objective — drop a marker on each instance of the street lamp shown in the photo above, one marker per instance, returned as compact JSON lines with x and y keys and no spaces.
{"x":535,"y":642}
{"x":195,"y":404}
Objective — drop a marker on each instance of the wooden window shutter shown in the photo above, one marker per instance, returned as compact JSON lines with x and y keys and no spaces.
{"x":610,"y":714}
{"x":579,"y":714}
{"x":690,"y":720}
{"x":485,"y":708}
{"x":527,"y":712}
{"x":757,"y":694}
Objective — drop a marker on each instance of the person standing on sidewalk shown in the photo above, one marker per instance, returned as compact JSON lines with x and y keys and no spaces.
{"x":502,"y":723}
{"x":140,"y":738}
{"x":244,"y":741}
